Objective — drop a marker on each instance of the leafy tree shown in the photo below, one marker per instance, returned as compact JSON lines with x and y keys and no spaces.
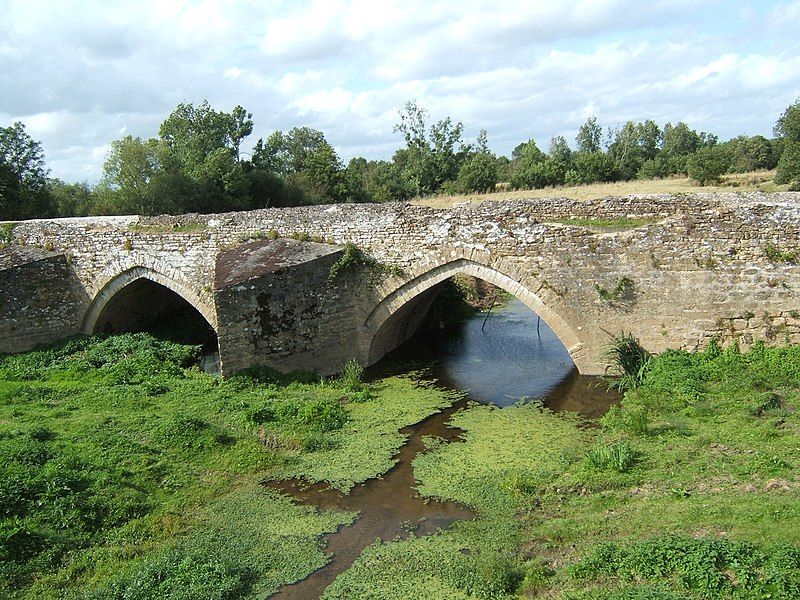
{"x":202,"y":145}
{"x":650,"y":138}
{"x":527,"y":153}
{"x":626,"y":151}
{"x":433,"y":155}
{"x":196,"y":135}
{"x":130,"y":169}
{"x":326,"y":175}
{"x":707,"y":164}
{"x":680,"y":142}
{"x":479,"y":172}
{"x":72,"y":199}
{"x":560,"y":152}
{"x":308,"y":162}
{"x":385,"y":181}
{"x":654,"y":168}
{"x":788,"y":131}
{"x":538,"y":175}
{"x":633,"y":145}
{"x":589,"y":134}
{"x":23,"y":176}
{"x":356,"y":176}
{"x":526,"y":171}
{"x":591,"y":167}
{"x":751,"y":153}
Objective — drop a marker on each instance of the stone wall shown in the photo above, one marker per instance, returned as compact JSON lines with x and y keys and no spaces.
{"x":677,"y":271}
{"x":281,"y":310}
{"x":40,"y":300}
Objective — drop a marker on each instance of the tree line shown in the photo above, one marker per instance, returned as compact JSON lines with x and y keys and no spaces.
{"x":195,"y":164}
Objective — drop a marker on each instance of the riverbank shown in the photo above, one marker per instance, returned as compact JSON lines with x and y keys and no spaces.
{"x":689,"y":490}
{"x":125,"y":474}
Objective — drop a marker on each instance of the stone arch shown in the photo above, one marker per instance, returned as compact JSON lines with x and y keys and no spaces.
{"x":117,"y":283}
{"x":428,"y":277}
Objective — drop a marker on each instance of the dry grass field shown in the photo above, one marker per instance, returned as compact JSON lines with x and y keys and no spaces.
{"x":762,"y":181}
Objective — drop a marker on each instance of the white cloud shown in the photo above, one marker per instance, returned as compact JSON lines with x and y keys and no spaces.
{"x":80,"y":74}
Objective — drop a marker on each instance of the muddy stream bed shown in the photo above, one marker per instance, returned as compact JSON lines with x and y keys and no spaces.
{"x":513,"y":357}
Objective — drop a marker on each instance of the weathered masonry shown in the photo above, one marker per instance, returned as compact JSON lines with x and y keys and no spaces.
{"x":674,"y":271}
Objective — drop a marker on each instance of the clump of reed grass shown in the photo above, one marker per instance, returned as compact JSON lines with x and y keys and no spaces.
{"x":627,"y":362}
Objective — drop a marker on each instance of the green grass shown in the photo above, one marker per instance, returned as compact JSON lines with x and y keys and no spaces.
{"x":123,"y":473}
{"x":126,"y":473}
{"x":691,"y":487}
{"x":618,"y":224}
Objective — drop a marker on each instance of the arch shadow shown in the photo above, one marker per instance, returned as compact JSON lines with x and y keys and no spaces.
{"x":382,"y":337}
{"x":113,"y":287}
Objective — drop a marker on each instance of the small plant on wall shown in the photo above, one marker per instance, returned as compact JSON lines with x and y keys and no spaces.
{"x":354,"y":258}
{"x":776,"y":255}
{"x":624,"y":290}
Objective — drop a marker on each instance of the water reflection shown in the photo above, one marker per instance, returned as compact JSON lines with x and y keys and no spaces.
{"x":510,"y":356}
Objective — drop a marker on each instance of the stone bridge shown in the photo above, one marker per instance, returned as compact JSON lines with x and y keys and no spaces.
{"x":675,"y":271}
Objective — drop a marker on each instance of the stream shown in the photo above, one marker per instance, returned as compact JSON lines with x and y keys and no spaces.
{"x":512,"y":357}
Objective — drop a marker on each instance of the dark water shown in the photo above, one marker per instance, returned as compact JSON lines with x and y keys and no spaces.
{"x":509,"y":357}
{"x":388,"y":507}
{"x":503,"y":362}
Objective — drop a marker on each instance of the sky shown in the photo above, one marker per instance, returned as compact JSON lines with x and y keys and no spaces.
{"x":81,"y":74}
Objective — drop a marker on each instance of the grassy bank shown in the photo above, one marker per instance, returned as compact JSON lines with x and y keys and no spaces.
{"x":689,"y":490}
{"x":124,"y":474}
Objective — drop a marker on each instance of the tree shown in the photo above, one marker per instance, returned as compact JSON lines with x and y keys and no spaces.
{"x":560,"y":152}
{"x":193,"y":166}
{"x":193,"y":134}
{"x":591,"y":167}
{"x":72,"y":199}
{"x":433,"y":155}
{"x":750,"y":153}
{"x":526,"y":169}
{"x":650,"y":138}
{"x":130,"y":170}
{"x":202,"y":145}
{"x":707,"y":164}
{"x":479,"y":172}
{"x":788,"y":131}
{"x":680,"y":142}
{"x":589,"y":134}
{"x":626,"y":151}
{"x":308,"y":162}
{"x":23,"y":176}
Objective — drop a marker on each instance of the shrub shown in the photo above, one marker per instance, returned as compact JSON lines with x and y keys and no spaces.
{"x":618,"y":457}
{"x":633,"y":421}
{"x":627,"y":362}
{"x":301,"y":415}
{"x":477,"y":174}
{"x":131,"y":358}
{"x":538,"y":175}
{"x":351,"y":376}
{"x":185,"y":431}
{"x":776,"y":255}
{"x":353,"y":258}
{"x":321,"y":415}
{"x":181,"y":574}
{"x":707,"y":568}
{"x":708,"y":164}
